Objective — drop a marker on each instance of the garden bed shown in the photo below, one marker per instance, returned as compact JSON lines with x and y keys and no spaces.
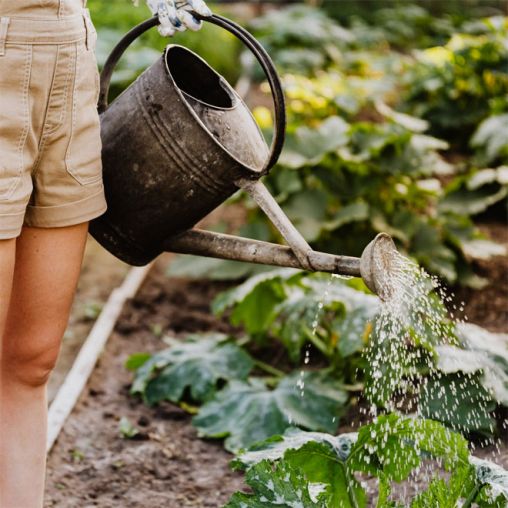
{"x":166,"y":465}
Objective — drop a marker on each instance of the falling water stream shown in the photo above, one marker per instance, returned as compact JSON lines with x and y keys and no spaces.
{"x":408,"y":325}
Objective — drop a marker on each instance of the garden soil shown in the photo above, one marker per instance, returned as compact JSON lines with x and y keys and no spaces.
{"x":166,"y":465}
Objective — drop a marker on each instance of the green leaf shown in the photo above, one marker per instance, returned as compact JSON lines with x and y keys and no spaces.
{"x":198,"y":365}
{"x":307,"y":211}
{"x":255,"y":300}
{"x":196,"y":267}
{"x":495,"y":480}
{"x":136,"y":360}
{"x":127,"y":429}
{"x":322,"y":458}
{"x":293,"y":438}
{"x":247,"y":412}
{"x":447,"y":494}
{"x":276,"y":485}
{"x":472,"y":202}
{"x":490,"y":352}
{"x":476,"y":192}
{"x":409,"y":122}
{"x":357,"y":211}
{"x":392,"y":446}
{"x":459,"y":400}
{"x":309,"y":146}
{"x":492,"y":136}
{"x":352,"y":331}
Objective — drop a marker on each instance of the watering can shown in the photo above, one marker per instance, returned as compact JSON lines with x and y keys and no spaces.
{"x":177,"y":143}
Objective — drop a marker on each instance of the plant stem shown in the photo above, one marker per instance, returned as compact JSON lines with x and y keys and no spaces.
{"x":269,"y":368}
{"x":316,"y":341}
{"x":472,"y":496}
{"x":350,"y":491}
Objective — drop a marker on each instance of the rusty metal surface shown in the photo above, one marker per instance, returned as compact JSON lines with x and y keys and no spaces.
{"x":172,"y":152}
{"x":259,"y":193}
{"x":163,"y":169}
{"x":377,"y":265}
{"x":205,"y":243}
{"x":176,"y":144}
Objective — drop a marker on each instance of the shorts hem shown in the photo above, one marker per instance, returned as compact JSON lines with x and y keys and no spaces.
{"x":11,"y":225}
{"x":68,"y":214}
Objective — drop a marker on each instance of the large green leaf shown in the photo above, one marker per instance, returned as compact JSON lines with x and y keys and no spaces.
{"x":492,"y":136}
{"x":255,"y":300}
{"x":459,"y":400}
{"x":309,"y":146}
{"x":493,"y":347}
{"x":277,"y":485}
{"x":293,"y":438}
{"x":247,"y":412}
{"x":389,"y":449}
{"x":481,"y":352}
{"x":322,"y":457}
{"x":495,"y":481}
{"x":198,"y":365}
{"x":474,"y":193}
{"x":392,"y":446}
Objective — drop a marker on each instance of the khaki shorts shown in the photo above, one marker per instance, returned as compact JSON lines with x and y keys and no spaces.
{"x":50,"y":148}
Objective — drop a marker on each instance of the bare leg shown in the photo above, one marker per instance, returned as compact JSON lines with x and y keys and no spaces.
{"x":46,"y":271}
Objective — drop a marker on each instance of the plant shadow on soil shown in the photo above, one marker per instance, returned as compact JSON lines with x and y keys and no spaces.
{"x":167,"y":464}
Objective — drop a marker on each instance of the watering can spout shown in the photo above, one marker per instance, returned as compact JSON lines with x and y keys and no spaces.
{"x":373,"y":266}
{"x":377,"y":265}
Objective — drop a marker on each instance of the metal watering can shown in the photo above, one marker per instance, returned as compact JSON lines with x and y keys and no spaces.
{"x":177,"y":143}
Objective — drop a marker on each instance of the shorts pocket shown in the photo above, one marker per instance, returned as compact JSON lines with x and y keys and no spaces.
{"x":83,"y":155}
{"x":15,"y":68}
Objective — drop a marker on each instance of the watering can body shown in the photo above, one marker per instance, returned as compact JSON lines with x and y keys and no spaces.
{"x":180,"y":141}
{"x":174,"y":144}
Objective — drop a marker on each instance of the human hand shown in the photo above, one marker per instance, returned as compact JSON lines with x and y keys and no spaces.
{"x":175,"y":15}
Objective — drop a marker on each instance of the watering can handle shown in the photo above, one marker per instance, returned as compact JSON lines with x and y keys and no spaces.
{"x":248,"y":39}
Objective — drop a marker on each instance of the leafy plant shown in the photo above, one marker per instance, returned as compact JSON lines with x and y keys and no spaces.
{"x":248,"y":411}
{"x":127,"y":429}
{"x":301,"y":38}
{"x":296,"y":309}
{"x":491,"y":139}
{"x":475,"y":192}
{"x":197,"y":366}
{"x":454,"y":86}
{"x":470,"y":381}
{"x":325,"y":467}
{"x":341,"y":183}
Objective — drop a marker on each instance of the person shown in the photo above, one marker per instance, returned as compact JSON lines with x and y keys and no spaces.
{"x":50,"y":188}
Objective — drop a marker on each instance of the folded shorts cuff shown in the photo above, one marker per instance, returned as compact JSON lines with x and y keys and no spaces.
{"x":10,"y":225}
{"x":68,"y":214}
